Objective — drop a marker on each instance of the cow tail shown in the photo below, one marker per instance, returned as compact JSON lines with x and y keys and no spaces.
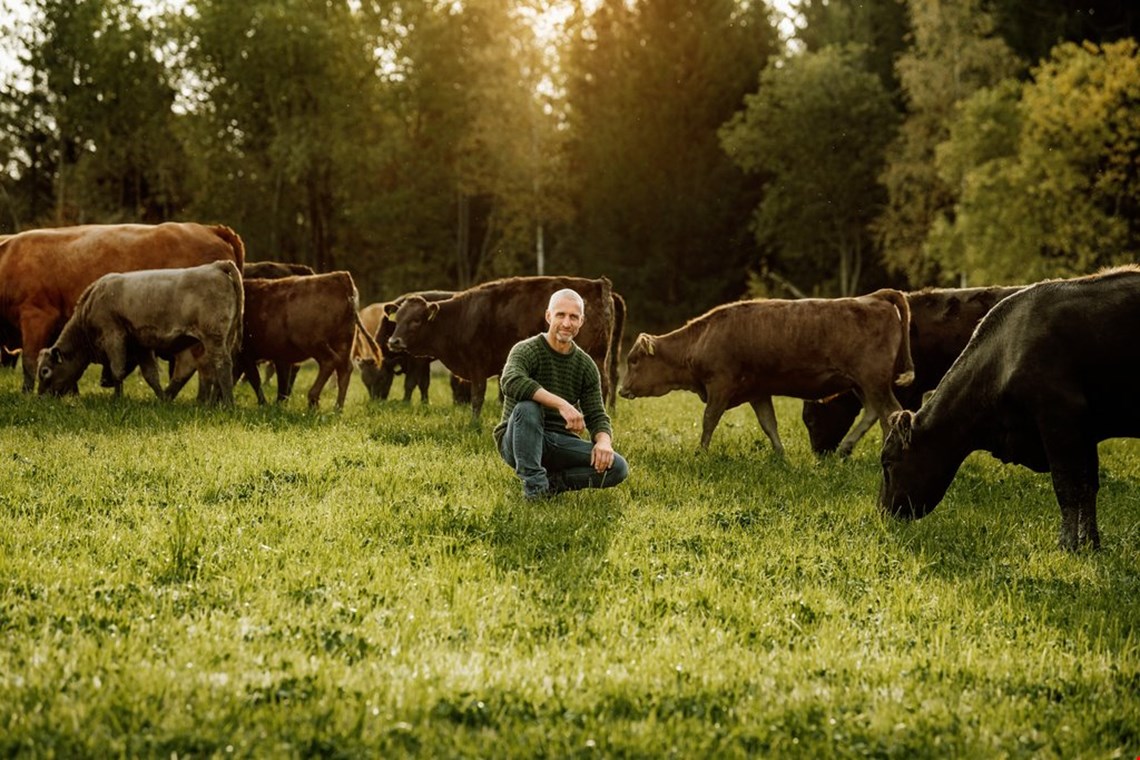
{"x":233,"y":339}
{"x":367,"y":338}
{"x":362,"y":333}
{"x":904,"y":364}
{"x":234,"y":241}
{"x":615,"y":345}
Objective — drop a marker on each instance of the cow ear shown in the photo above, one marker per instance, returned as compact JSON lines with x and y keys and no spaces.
{"x":648,"y":341}
{"x":56,"y":355}
{"x":902,"y":424}
{"x":433,"y":309}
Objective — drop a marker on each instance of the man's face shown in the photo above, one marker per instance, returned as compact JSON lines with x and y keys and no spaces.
{"x":565,"y":320}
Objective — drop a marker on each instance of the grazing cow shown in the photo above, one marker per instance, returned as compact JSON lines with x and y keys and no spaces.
{"x":749,"y":351}
{"x":122,"y":319}
{"x":293,"y":319}
{"x":43,"y":272}
{"x":416,"y":369}
{"x":941,"y":322}
{"x":1048,"y":374}
{"x":274,"y":270}
{"x":473,"y":331}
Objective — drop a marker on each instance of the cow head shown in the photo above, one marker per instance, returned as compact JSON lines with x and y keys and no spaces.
{"x":58,"y":371}
{"x":828,"y":420}
{"x":915,"y":474}
{"x":648,"y":372}
{"x":411,"y":319}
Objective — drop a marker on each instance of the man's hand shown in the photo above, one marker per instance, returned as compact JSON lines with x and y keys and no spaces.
{"x":575,"y":422}
{"x":602,"y":455}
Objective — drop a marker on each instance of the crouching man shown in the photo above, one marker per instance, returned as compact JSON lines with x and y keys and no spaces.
{"x":551,"y":393}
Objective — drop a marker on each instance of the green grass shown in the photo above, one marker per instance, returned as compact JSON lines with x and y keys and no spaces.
{"x":278,"y":582}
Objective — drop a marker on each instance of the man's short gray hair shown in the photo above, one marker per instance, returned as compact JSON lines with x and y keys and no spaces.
{"x":566,"y":293}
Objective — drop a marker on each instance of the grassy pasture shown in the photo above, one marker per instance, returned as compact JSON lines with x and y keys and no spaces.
{"x":277,"y":582}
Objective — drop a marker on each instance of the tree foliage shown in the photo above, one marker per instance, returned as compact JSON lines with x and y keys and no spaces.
{"x":955,"y":52}
{"x":658,"y":205}
{"x":816,"y":129}
{"x":1049,"y":171}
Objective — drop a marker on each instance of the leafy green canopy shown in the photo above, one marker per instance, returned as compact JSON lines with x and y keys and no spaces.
{"x":1047,"y":170}
{"x":816,"y":128}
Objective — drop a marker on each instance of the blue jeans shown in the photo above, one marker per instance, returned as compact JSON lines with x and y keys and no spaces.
{"x":548,"y":461}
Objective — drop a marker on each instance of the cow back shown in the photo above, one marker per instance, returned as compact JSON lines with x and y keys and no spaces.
{"x":287,"y":319}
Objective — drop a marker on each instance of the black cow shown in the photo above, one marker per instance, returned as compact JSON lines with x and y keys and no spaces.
{"x":1048,"y":374}
{"x":941,"y":323}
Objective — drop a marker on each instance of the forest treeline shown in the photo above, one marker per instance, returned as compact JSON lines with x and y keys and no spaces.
{"x":684,"y":148}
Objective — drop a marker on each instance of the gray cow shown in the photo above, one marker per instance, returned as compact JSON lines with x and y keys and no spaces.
{"x":122,"y":319}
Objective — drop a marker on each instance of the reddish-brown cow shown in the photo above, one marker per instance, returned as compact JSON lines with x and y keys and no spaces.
{"x":472,"y":332}
{"x":749,"y":351}
{"x":43,"y":272}
{"x":293,"y":319}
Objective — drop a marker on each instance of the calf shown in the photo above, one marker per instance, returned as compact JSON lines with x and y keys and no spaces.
{"x":749,"y":351}
{"x":473,"y":331}
{"x":123,"y":319}
{"x":292,"y":319}
{"x":1048,"y":374}
{"x":941,"y":322}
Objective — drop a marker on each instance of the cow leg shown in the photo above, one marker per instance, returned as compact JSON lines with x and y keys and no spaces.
{"x":284,"y":383}
{"x":714,"y":410}
{"x":410,"y":381}
{"x":478,"y":392}
{"x":148,"y":367}
{"x":343,"y":375}
{"x":324,"y":372}
{"x":181,"y":370}
{"x":766,"y":416}
{"x":384,"y":377}
{"x":222,"y":367}
{"x":1074,"y":466}
{"x":877,"y":407}
{"x":253,"y":376}
{"x":423,"y":380}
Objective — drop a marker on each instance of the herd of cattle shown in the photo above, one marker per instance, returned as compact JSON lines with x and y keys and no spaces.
{"x":1036,"y":375}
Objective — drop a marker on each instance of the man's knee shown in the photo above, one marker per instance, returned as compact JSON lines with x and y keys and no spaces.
{"x":618,"y":471}
{"x":527,"y":413}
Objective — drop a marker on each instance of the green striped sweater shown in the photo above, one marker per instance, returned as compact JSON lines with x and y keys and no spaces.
{"x":533,"y":364}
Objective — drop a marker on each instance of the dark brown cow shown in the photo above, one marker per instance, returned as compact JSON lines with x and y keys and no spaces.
{"x":122,"y":319}
{"x":43,"y":272}
{"x":1048,"y":374}
{"x":472,"y":332}
{"x":941,"y":322}
{"x":274,"y":270}
{"x":293,"y":319}
{"x":749,"y":351}
{"x":416,"y":369}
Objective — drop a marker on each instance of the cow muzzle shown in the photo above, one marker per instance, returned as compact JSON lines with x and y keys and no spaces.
{"x":396,"y":344}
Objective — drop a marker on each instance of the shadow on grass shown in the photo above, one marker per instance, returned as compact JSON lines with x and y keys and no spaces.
{"x":562,"y":543}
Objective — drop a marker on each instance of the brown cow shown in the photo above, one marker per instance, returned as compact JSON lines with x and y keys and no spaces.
{"x":941,"y":322}
{"x":274,"y":270}
{"x":749,"y":351}
{"x":122,"y":319}
{"x":473,"y":331}
{"x":416,"y":369}
{"x":293,"y":319}
{"x":43,"y":272}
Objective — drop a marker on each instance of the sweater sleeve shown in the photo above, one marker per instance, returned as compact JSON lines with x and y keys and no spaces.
{"x":592,"y":405}
{"x":517,"y":379}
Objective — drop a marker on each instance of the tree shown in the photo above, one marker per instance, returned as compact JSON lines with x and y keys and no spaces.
{"x":955,"y":52}
{"x":90,"y":131}
{"x":657,"y":206}
{"x":1048,"y":171}
{"x":880,"y":27}
{"x":816,"y":129}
